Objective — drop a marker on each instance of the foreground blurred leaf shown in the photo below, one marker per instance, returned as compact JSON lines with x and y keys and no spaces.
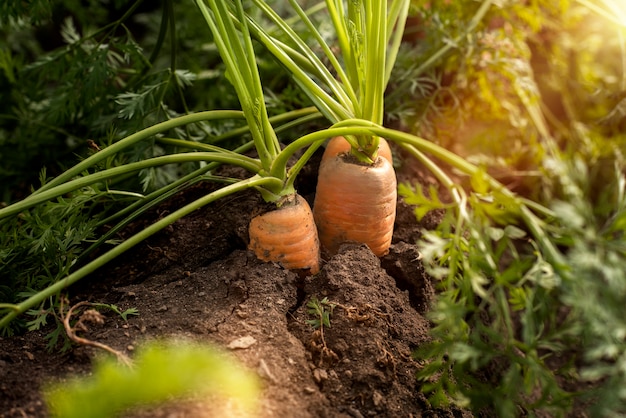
{"x":160,"y":371}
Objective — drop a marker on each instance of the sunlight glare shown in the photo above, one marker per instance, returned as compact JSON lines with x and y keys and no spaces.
{"x":618,"y":9}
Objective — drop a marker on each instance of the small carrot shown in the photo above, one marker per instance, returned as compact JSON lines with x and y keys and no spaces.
{"x":339,"y":145}
{"x":287,"y":236}
{"x":355,"y":202}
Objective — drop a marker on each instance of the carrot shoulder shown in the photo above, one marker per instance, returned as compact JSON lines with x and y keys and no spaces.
{"x":339,"y":145}
{"x":287,"y":236}
{"x":355,"y":202}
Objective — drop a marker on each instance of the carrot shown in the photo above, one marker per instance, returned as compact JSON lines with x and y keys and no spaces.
{"x":287,"y":236}
{"x":339,"y":145}
{"x":355,"y":202}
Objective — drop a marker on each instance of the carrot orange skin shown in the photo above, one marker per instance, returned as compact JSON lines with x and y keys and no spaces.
{"x":355,"y":202}
{"x":339,"y":145}
{"x":287,"y":236}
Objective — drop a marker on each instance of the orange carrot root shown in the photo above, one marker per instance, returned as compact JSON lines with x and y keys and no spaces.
{"x":287,"y":236}
{"x":355,"y":202}
{"x":339,"y":145}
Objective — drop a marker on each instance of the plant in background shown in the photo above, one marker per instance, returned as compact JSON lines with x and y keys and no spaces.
{"x":465,"y":84}
{"x":517,"y":326}
{"x":513,"y":329}
{"x":593,"y":233}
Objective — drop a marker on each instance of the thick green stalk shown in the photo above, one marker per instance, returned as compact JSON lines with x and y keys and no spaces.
{"x":374,"y":55}
{"x":154,"y":198}
{"x":287,"y":119}
{"x":398,"y":14}
{"x":346,"y":87}
{"x":160,"y":37}
{"x":338,"y":15}
{"x":145,"y":204}
{"x":199,"y":146}
{"x":355,"y":28}
{"x":121,"y":170}
{"x":241,"y":71}
{"x":271,"y":141}
{"x":334,"y":109}
{"x":134,"y":138}
{"x":52,"y":290}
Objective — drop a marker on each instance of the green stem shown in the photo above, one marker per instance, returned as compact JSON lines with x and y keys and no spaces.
{"x":287,"y":119}
{"x":161,"y":36}
{"x":167,"y":190}
{"x":52,"y":290}
{"x":238,"y":56}
{"x":172,"y":29}
{"x":338,"y":15}
{"x":347,"y":93}
{"x":327,"y":78}
{"x":295,"y":169}
{"x":430,"y":166}
{"x":145,"y":204}
{"x":334,"y":110}
{"x":117,"y":171}
{"x":398,"y":14}
{"x":140,"y":206}
{"x":112,"y":27}
{"x":184,"y":143}
{"x":374,"y":55}
{"x":136,"y":137}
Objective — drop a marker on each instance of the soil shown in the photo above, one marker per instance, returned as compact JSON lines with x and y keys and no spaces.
{"x":195,"y":280}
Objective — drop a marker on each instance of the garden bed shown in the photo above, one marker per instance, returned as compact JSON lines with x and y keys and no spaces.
{"x":196,"y":281}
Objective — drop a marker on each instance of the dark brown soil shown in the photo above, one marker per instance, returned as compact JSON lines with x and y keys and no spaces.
{"x":195,"y":280}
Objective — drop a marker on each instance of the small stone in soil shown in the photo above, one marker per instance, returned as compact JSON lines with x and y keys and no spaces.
{"x":377,"y":398}
{"x":242,"y":342}
{"x":320,"y":375}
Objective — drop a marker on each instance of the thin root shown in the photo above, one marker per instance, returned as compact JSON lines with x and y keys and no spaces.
{"x":93,"y":316}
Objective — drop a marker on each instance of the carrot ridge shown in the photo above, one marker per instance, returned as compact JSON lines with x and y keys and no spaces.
{"x":287,"y":235}
{"x":357,"y":203}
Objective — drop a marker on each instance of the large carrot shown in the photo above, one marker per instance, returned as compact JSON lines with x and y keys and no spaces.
{"x":355,"y":202}
{"x":287,"y":235}
{"x":339,"y":145}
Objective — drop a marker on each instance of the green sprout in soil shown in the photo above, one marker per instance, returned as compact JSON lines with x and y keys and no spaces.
{"x":321,"y":310}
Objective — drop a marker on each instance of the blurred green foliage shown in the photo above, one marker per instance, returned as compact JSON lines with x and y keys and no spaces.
{"x":533,"y":94}
{"x":161,"y":372}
